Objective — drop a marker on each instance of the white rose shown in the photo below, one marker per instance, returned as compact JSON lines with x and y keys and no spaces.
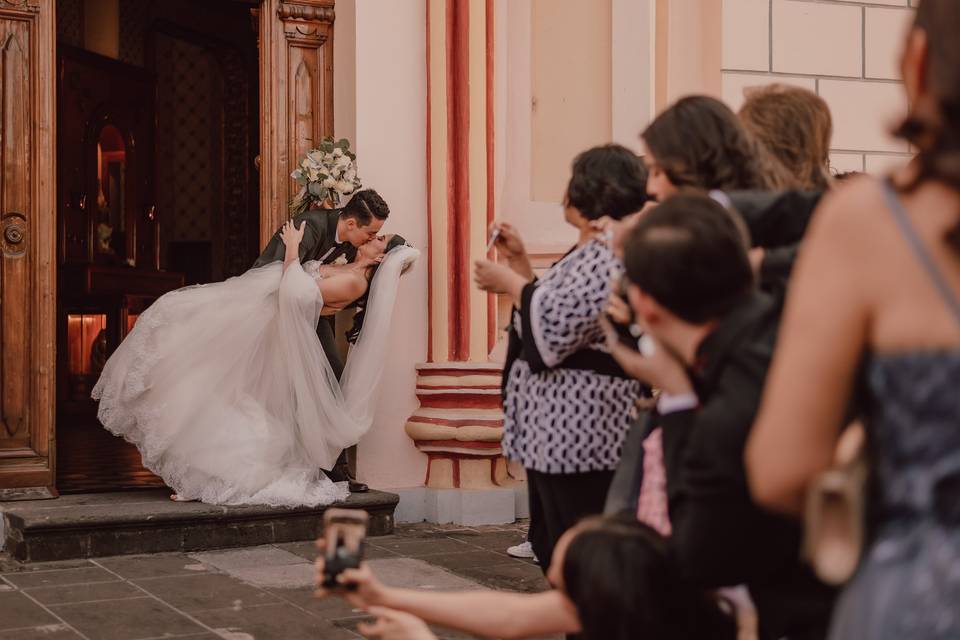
{"x":313,"y":174}
{"x":314,"y":156}
{"x":344,"y":186}
{"x":329,"y":182}
{"x":337,"y":153}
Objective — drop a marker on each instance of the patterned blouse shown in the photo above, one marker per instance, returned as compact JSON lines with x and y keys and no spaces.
{"x":567,"y":404}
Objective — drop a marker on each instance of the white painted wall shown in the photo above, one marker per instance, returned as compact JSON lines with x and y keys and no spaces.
{"x":540,"y":219}
{"x":380,"y":103}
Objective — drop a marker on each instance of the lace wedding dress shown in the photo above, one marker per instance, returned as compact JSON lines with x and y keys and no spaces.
{"x":226,"y":391}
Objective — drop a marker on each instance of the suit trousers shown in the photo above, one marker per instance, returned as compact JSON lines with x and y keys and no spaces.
{"x":326,"y":332}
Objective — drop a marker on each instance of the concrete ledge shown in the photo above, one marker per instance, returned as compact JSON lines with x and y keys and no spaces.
{"x":468,"y":507}
{"x":106,"y":524}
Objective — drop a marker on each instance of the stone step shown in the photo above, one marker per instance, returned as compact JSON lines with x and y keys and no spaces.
{"x":108,"y":524}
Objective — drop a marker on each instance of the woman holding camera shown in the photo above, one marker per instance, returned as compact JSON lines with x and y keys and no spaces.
{"x":613,"y":578}
{"x":567,"y":403}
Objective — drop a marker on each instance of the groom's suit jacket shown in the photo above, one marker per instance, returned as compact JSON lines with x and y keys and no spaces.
{"x":319,"y":236}
{"x":319,"y":243}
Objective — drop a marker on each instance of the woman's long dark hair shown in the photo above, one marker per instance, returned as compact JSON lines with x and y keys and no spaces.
{"x":621,"y":577}
{"x":937,"y":136}
{"x":361,"y":304}
{"x":699,"y":142}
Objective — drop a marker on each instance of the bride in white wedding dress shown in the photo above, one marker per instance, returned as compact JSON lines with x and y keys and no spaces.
{"x":225,"y":389}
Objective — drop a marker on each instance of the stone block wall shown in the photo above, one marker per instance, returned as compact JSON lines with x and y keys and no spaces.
{"x":847,"y":52}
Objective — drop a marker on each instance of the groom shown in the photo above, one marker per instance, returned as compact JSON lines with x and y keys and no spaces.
{"x":330,"y":234}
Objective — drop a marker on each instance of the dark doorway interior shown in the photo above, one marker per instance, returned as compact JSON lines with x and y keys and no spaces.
{"x":157,"y":188}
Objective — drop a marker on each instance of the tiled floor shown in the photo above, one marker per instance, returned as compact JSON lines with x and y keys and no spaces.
{"x":259,"y":593}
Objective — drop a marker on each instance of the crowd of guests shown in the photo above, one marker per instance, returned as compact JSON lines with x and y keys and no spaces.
{"x":679,"y":381}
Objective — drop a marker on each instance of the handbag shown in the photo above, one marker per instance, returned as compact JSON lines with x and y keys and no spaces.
{"x":835,"y":511}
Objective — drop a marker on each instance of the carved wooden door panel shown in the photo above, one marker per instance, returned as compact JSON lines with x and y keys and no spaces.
{"x":27,"y":246}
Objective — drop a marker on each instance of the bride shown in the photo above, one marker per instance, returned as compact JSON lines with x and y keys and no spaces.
{"x":226,"y":391}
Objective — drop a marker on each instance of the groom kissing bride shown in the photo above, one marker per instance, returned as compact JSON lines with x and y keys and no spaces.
{"x":234,"y":391}
{"x":331,"y":235}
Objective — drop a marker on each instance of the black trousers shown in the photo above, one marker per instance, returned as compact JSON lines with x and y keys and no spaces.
{"x":557,"y":502}
{"x":326,"y":332}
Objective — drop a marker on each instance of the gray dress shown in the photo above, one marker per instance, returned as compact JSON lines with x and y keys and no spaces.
{"x":908,"y":584}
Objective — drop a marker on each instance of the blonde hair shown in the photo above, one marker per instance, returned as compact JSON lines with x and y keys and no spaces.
{"x":794,"y":124}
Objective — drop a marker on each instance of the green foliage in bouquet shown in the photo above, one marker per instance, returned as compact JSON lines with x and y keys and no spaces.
{"x":325,"y":174}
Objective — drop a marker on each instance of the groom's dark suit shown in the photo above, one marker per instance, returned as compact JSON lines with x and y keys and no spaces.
{"x":319,"y":243}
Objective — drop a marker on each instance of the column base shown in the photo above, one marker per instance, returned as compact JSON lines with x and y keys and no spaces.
{"x":468,"y":507}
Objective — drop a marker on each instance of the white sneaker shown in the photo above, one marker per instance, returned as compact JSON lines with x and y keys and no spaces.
{"x":522,"y":550}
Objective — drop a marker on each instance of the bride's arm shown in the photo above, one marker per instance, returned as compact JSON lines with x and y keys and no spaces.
{"x":291,"y":237}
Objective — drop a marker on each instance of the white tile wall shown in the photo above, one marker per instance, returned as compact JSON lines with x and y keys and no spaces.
{"x":864,"y":113}
{"x":844,"y":162}
{"x":817,"y":38}
{"x":746,"y":35}
{"x":885,"y":29}
{"x":734,"y":85}
{"x":845,"y":50}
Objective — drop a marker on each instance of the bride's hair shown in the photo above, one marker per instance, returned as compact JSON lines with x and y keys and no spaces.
{"x":361,"y":303}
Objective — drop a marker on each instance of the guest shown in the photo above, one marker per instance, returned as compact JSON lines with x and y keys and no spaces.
{"x":794,"y":125}
{"x":567,"y":403}
{"x":612,"y":579}
{"x":889,"y":298}
{"x":698,"y":142}
{"x":712,"y":340}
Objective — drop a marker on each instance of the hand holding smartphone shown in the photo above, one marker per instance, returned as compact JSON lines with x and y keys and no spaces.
{"x":344,"y":531}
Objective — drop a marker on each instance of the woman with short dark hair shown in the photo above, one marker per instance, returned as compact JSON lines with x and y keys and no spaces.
{"x":567,"y":403}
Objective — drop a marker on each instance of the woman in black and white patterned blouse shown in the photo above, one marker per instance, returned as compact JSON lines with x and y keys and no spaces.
{"x":567,"y":404}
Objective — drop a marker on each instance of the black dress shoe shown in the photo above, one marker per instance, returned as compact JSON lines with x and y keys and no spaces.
{"x":341,"y":473}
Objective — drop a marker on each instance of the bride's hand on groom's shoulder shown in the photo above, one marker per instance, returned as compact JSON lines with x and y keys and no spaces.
{"x":290,"y":234}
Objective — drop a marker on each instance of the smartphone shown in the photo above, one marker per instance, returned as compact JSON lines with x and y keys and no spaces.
{"x":493,"y":238}
{"x":344,"y":531}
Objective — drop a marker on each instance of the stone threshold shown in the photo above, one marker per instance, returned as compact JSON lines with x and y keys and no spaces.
{"x":135,"y":522}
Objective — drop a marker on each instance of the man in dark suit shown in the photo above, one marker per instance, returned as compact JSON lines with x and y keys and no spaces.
{"x":712,"y":341}
{"x":330,"y":234}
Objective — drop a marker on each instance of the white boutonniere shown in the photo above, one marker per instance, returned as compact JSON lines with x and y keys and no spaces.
{"x":341,"y":259}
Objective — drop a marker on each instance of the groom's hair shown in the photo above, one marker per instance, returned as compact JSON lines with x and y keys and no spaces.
{"x":364,"y":206}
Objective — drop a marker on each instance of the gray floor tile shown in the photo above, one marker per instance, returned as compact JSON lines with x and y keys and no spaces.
{"x":330,"y":608}
{"x":60,"y":577}
{"x":245,"y":558}
{"x":9,"y":565}
{"x":287,"y":576}
{"x":153,"y":566}
{"x":516,"y":576}
{"x":45,"y":632}
{"x":84,"y":592}
{"x":415,"y":573}
{"x":136,"y":619}
{"x":466,"y":559}
{"x":17,"y":610}
{"x":273,"y":622}
{"x":205,"y":591}
{"x":416,"y":547}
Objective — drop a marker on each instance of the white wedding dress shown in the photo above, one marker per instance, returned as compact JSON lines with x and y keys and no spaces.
{"x":225,"y":389}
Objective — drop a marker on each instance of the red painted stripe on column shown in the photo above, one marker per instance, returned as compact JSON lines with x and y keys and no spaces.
{"x":458,"y":176}
{"x":491,"y":62}
{"x":429,"y":208}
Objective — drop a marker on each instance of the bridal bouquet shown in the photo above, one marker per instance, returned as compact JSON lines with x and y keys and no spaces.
{"x":325,"y":174}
